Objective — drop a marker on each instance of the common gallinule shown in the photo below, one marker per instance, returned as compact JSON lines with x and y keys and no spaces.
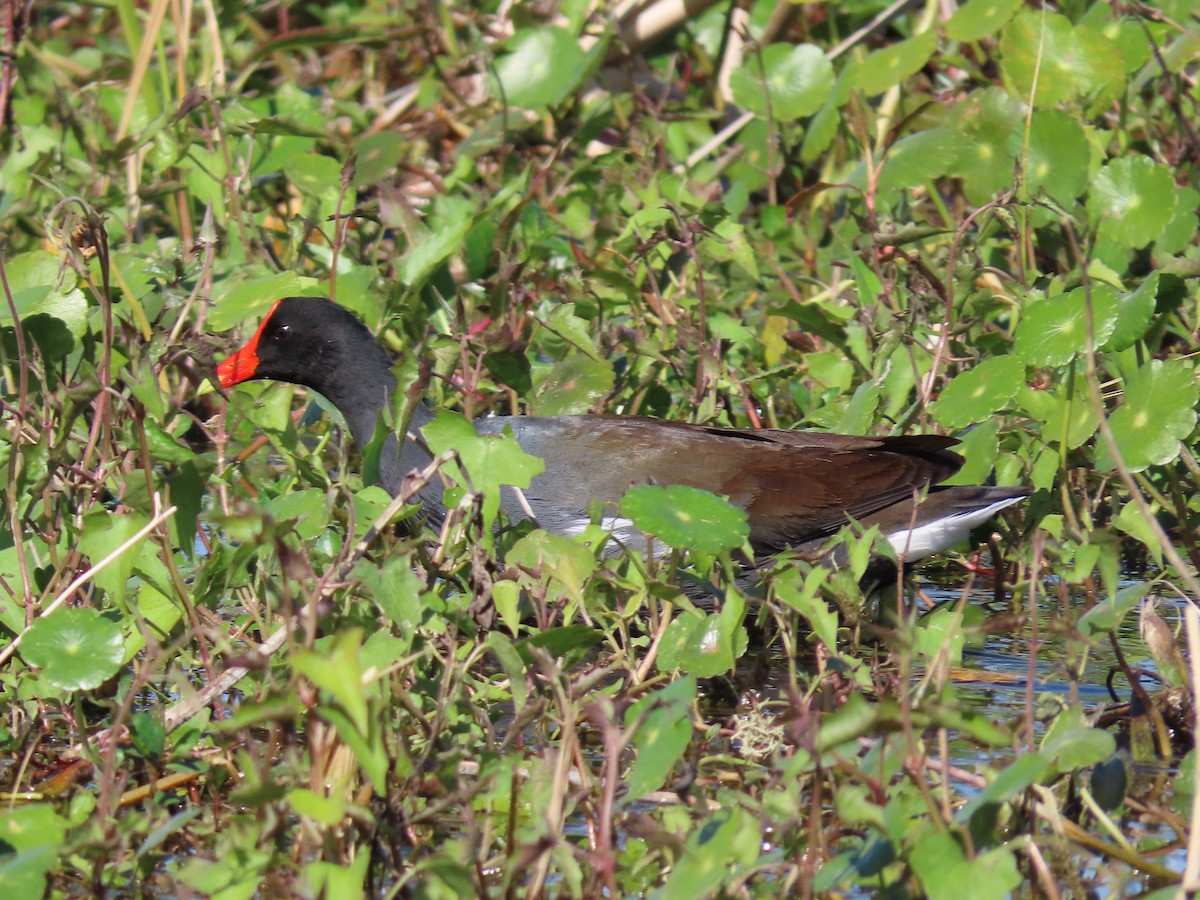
{"x":797,"y":487}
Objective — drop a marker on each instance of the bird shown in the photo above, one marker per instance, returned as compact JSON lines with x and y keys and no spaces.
{"x":797,"y":488}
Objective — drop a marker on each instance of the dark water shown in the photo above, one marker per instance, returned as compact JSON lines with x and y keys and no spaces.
{"x":996,"y":677}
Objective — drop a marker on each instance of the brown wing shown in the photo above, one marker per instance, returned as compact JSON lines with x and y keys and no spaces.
{"x":795,"y":486}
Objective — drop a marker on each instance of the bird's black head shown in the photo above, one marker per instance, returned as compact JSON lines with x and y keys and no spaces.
{"x":308,"y":341}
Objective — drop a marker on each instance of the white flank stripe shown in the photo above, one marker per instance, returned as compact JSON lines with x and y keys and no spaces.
{"x":938,"y":535}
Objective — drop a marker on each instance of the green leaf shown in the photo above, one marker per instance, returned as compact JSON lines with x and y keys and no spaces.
{"x":823,"y":127}
{"x":103,"y":532}
{"x":510,"y":368}
{"x":1158,"y":411}
{"x":1064,"y":61}
{"x":246,"y":301}
{"x":337,"y":879}
{"x":946,"y":874}
{"x":1182,"y":227}
{"x":395,"y":587}
{"x":31,"y":838}
{"x":1024,"y":771}
{"x":712,"y":852}
{"x":798,"y":79}
{"x":572,"y":386}
{"x":35,"y":825}
{"x":491,"y":460}
{"x":305,"y":511}
{"x":916,"y":159}
{"x":865,"y":861}
{"x":705,"y":645}
{"x":1054,"y":330}
{"x":336,"y":668}
{"x":1133,"y":199}
{"x":541,"y":68}
{"x":572,"y":328}
{"x":985,"y":122}
{"x":23,"y":874}
{"x":976,"y":725}
{"x":663,"y":734}
{"x":76,"y":649}
{"x":1058,"y":155}
{"x":686,"y":518}
{"x":33,"y":280}
{"x":1185,"y":784}
{"x":163,"y":447}
{"x":147,"y":735}
{"x":728,"y":241}
{"x":323,"y":809}
{"x":315,"y":175}
{"x":1065,"y":410}
{"x":557,"y":560}
{"x":569,"y":642}
{"x":974,"y":395}
{"x":939,"y":633}
{"x":977,"y":19}
{"x":377,"y":155}
{"x":809,"y":603}
{"x":888,"y":67}
{"x":1132,"y":522}
{"x":856,"y":718}
{"x":431,"y":250}
{"x":978,"y":446}
{"x":1134,"y":313}
{"x":1070,"y":743}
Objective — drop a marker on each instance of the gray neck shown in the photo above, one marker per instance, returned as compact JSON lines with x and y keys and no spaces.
{"x":362,"y":413}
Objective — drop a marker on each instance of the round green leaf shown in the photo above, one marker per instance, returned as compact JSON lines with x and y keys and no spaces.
{"x":985,"y":122}
{"x":23,"y":874}
{"x":1134,"y":199}
{"x":1129,"y":35}
{"x":1057,"y":160}
{"x":36,"y":825}
{"x":1054,"y":331}
{"x":888,"y":67}
{"x":686,"y":518}
{"x":974,"y":395}
{"x":1182,"y":227}
{"x":977,"y":19}
{"x":797,"y":81}
{"x":1157,"y":413}
{"x":916,"y":159}
{"x":543,"y":67}
{"x":1063,"y":61}
{"x":38,"y":288}
{"x":1106,"y":64}
{"x":76,"y":649}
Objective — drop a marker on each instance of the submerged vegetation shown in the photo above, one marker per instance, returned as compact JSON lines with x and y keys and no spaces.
{"x":229,"y":669}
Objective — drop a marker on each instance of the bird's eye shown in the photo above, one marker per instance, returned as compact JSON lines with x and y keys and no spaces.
{"x":283,"y":332}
